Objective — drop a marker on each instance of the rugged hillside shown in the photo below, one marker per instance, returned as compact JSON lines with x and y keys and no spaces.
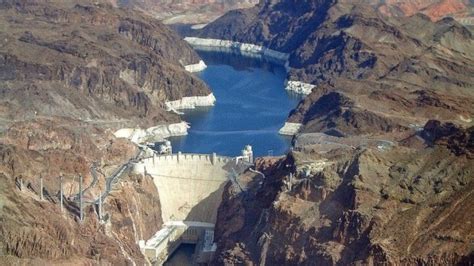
{"x":372,"y":204}
{"x":34,"y":231}
{"x":405,"y":70}
{"x":435,"y":9}
{"x":93,"y":62}
{"x":189,"y":12}
{"x":71,"y":73}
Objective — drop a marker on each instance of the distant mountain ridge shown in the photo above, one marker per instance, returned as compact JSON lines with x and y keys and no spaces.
{"x":187,"y":11}
{"x":435,"y":9}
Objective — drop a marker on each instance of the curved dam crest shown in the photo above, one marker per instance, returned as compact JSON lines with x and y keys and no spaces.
{"x":189,"y":185}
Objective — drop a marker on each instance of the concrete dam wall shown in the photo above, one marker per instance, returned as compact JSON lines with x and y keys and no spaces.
{"x":189,"y":185}
{"x":190,"y":189}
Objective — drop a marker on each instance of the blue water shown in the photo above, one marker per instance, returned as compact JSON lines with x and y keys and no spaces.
{"x":252,"y":105}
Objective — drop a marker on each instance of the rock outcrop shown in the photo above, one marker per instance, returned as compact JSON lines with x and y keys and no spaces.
{"x":435,"y":9}
{"x":91,"y":61}
{"x":368,"y":205}
{"x":35,"y":231}
{"x":460,"y":141}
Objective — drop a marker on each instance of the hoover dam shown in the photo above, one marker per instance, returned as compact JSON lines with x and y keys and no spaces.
{"x":211,"y":147}
{"x":127,"y":139}
{"x":189,"y":185}
{"x":190,"y":190}
{"x":251,"y":106}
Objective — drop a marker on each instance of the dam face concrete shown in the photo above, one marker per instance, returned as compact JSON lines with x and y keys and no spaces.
{"x":189,"y":185}
{"x":190,"y":189}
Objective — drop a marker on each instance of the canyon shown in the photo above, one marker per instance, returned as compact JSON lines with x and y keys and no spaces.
{"x":350,"y":55}
{"x":379,"y":169}
{"x":325,"y":201}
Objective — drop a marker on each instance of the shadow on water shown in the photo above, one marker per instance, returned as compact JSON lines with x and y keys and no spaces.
{"x":252,"y":105}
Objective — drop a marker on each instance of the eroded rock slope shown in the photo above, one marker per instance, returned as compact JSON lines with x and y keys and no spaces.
{"x":35,"y":231}
{"x":90,"y":61}
{"x":369,"y":204}
{"x":381,"y":170}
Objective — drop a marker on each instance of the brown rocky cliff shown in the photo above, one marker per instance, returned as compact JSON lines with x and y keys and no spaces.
{"x":368,"y":206}
{"x":35,"y":231}
{"x":135,"y":209}
{"x":104,"y":63}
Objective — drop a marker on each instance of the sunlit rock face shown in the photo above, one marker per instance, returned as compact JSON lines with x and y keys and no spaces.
{"x":435,"y":9}
{"x":104,"y":64}
{"x":188,"y":11}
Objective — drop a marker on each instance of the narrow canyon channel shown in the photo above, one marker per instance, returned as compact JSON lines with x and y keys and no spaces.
{"x":252,"y":105}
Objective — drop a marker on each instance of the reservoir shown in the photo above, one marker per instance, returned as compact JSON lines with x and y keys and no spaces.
{"x":252,"y":105}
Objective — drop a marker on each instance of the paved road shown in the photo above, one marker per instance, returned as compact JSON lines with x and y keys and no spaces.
{"x":109,"y":181}
{"x":92,"y":184}
{"x":113,"y":179}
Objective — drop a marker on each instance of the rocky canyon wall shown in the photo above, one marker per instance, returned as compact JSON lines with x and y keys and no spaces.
{"x":369,"y":205}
